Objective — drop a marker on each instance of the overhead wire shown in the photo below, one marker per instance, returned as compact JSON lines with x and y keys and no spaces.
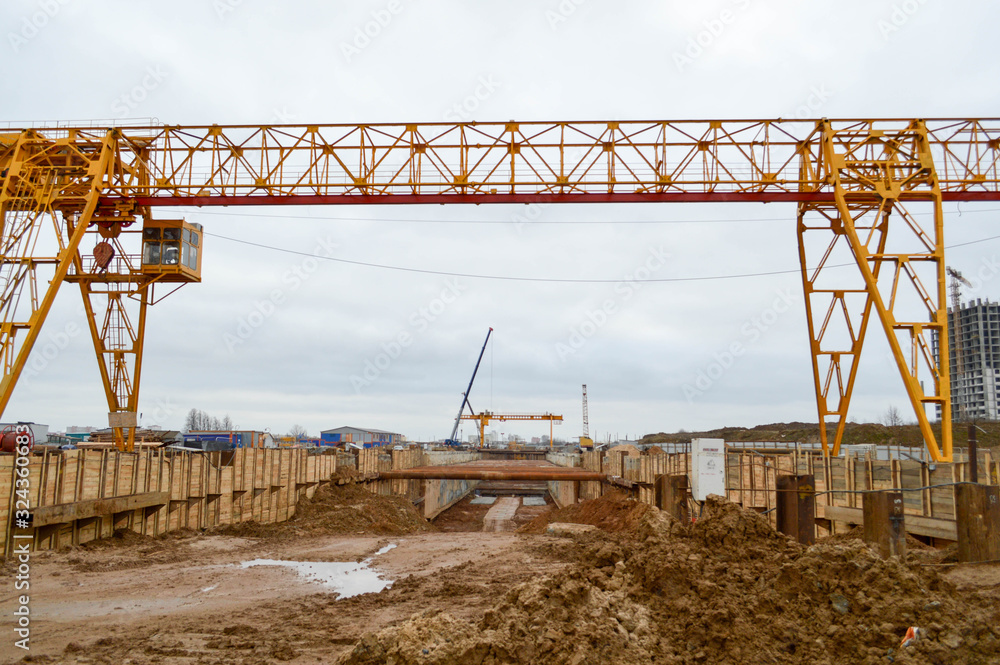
{"x":554,"y":280}
{"x":726,"y":220}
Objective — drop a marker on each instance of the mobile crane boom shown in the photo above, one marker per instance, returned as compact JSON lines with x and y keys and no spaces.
{"x":465,"y":398}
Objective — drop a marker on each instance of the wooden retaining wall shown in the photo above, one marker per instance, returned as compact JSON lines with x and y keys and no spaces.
{"x":751,"y":480}
{"x":81,"y":495}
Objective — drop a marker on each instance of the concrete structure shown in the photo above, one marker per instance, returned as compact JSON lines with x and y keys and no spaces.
{"x":974,"y":375}
{"x":362,"y":436}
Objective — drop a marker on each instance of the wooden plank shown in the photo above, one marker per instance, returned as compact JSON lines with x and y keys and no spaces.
{"x":884,"y":523}
{"x":978,"y":519}
{"x":69,"y":512}
{"x":915,"y":524}
{"x":672,"y":496}
{"x":796,"y":507}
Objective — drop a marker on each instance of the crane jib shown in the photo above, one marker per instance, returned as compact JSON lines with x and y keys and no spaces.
{"x":465,"y":397}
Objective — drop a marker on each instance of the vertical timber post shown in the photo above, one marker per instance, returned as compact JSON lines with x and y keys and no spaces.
{"x":883,"y":522}
{"x":973,"y":454}
{"x":796,"y":507}
{"x":671,"y":496}
{"x":977,"y":514}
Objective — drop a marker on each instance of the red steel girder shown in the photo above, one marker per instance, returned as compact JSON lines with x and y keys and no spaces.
{"x":497,"y":472}
{"x":432,"y":199}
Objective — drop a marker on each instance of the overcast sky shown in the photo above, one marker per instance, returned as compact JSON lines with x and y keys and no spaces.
{"x":304,"y":359}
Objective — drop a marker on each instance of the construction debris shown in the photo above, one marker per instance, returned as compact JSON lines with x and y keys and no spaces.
{"x":340,"y":509}
{"x":727,"y":589}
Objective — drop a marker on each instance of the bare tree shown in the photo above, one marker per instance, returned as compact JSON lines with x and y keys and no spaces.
{"x":191,"y":422}
{"x":198,"y":420}
{"x":891,"y":417}
{"x":298,"y":432}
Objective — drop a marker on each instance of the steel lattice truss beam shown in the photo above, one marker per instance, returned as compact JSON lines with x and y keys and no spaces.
{"x":755,"y":160}
{"x":849,"y":177}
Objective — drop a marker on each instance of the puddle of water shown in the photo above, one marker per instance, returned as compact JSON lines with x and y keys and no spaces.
{"x":347,"y":579}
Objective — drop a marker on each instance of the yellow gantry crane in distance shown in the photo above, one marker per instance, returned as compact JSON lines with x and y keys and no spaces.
{"x":484,"y":418}
{"x":852,"y":180}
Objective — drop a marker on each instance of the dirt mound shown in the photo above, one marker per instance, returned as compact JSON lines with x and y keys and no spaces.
{"x":611,"y":512}
{"x":854,"y":433}
{"x":121,"y":537}
{"x":340,"y":510}
{"x":729,"y":529}
{"x":727,"y":589}
{"x":858,"y":533}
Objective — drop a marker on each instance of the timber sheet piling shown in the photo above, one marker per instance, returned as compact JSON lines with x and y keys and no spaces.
{"x":82,"y":495}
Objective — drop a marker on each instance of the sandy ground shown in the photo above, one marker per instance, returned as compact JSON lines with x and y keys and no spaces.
{"x":726,"y":590}
{"x":187,"y":599}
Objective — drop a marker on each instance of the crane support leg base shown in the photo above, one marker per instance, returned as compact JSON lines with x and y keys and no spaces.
{"x":884,"y":526}
{"x":796,"y":509}
{"x":977,"y":513}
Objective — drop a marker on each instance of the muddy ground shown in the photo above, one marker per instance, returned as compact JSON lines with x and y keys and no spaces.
{"x":639,"y":589}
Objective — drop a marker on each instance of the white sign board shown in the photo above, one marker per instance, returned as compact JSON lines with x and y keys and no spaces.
{"x":708,"y":468}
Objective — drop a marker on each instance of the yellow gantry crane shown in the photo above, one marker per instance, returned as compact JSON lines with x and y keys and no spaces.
{"x":484,"y":418}
{"x":65,"y":191}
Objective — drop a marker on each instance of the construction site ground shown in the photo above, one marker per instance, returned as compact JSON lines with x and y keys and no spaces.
{"x":640,"y":588}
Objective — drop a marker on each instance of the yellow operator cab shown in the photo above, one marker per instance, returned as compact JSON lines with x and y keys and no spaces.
{"x":172,"y":248}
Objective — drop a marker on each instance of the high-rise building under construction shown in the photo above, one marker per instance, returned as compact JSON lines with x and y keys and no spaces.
{"x":974,"y":355}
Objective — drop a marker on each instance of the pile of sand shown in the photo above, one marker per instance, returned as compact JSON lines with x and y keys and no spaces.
{"x":612,"y":512}
{"x":727,"y":589}
{"x":340,"y":510}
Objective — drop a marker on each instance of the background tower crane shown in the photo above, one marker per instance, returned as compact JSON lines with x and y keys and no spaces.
{"x":586,"y":443}
{"x":958,"y":395}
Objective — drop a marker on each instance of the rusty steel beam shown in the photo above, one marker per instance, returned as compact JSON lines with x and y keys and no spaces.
{"x":490,"y":473}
